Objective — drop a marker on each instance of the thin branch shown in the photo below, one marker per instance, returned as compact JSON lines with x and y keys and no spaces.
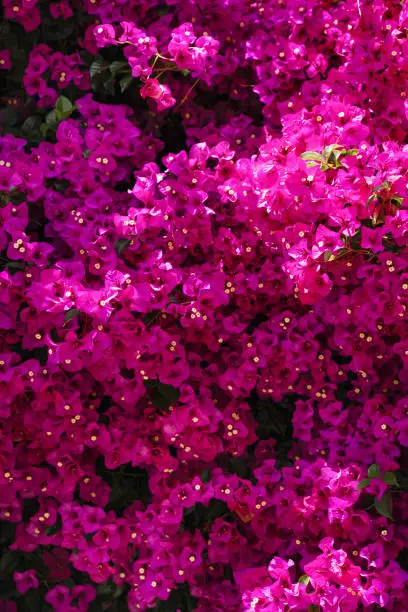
{"x":188,"y":93}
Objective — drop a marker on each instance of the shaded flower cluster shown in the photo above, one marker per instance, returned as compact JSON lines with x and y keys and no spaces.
{"x":60,"y":69}
{"x":203,"y":308}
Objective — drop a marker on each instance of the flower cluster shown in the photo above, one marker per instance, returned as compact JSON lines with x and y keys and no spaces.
{"x":187,"y":53}
{"x":44,"y":65}
{"x":203,"y":308}
{"x":24,"y":11}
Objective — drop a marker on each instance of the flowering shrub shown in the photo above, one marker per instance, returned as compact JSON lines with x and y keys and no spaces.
{"x":203,"y":305}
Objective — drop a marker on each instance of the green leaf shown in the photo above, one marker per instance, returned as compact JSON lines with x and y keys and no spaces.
{"x":60,"y":30}
{"x":336,"y":154}
{"x":328,"y":256}
{"x":216,"y":509}
{"x":44,"y":129}
{"x":352,"y":152}
{"x":311,"y":164}
{"x":109,"y":85}
{"x":205,"y":476}
{"x":125,"y":82}
{"x":363,"y":484}
{"x":390,"y":478}
{"x":384,"y":505}
{"x":16,"y":264}
{"x":118,"y":592}
{"x":240,"y":467}
{"x":50,"y":125}
{"x":7,"y":534}
{"x":115,"y":67}
{"x":159,"y":401}
{"x":71,"y":314}
{"x":179,"y":599}
{"x":8,"y":562}
{"x":304,"y":579}
{"x":61,"y":186}
{"x":105,"y":588}
{"x":121,"y":245}
{"x":51,"y":119}
{"x":327,"y":151}
{"x":384,"y":185}
{"x":397,"y":200}
{"x":31,"y":124}
{"x":63,"y":108}
{"x":169,"y":392}
{"x":163,"y":396}
{"x":273,"y":419}
{"x":150,"y":317}
{"x":374,"y":471}
{"x":162,"y":10}
{"x":403,"y":481}
{"x":98,"y":66}
{"x":8,"y":116}
{"x":312,"y":156}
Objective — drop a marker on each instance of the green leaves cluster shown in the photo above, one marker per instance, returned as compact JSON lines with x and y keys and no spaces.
{"x":104,"y":75}
{"x":383,"y":505}
{"x":374,"y":472}
{"x":36,"y":128}
{"x":330,"y":158}
{"x":63,"y":110}
{"x":381,"y":196}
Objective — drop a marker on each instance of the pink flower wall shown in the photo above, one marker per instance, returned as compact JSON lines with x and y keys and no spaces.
{"x":203,"y":305}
